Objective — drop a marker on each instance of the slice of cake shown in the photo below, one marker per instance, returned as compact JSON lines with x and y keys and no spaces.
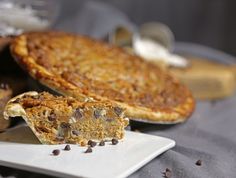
{"x":58,"y":119}
{"x":5,"y":95}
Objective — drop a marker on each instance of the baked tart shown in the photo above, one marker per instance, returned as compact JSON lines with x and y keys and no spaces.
{"x":60,"y":119}
{"x":82,"y":67}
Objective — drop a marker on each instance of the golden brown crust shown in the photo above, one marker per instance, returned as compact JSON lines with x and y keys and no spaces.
{"x":79,"y":66}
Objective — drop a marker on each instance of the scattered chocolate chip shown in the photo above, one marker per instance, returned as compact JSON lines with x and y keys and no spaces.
{"x":4,"y":86}
{"x":78,"y":114}
{"x":92,"y":143}
{"x":89,"y":142}
{"x":52,"y":117}
{"x":65,"y":125}
{"x":89,"y":150}
{"x":56,"y":152}
{"x":75,"y":132}
{"x":167,"y":173}
{"x":199,"y":162}
{"x":114,"y":141}
{"x":102,"y":143}
{"x":118,"y":111}
{"x":67,"y":148}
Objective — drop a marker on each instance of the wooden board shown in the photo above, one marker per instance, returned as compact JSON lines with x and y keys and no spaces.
{"x":207,"y":79}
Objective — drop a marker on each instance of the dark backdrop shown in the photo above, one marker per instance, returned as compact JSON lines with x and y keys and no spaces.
{"x":208,"y":22}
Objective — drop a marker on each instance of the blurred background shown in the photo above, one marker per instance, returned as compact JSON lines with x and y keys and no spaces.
{"x":208,"y":22}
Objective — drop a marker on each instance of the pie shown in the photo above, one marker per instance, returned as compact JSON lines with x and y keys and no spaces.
{"x":60,"y":119}
{"x":82,"y":67}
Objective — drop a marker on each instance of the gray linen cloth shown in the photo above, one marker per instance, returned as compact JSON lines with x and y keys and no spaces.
{"x":209,"y":135}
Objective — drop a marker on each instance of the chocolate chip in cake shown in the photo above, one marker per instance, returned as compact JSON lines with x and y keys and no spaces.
{"x":75,"y":132}
{"x":118,"y":111}
{"x":67,"y":148}
{"x":102,"y":143}
{"x":78,"y":114}
{"x":114,"y":141}
{"x":167,"y":173}
{"x":199,"y":162}
{"x":109,"y":119}
{"x":89,"y":150}
{"x":99,"y":113}
{"x":52,"y":117}
{"x":56,"y":152}
{"x":65,"y":125}
{"x":4,"y":86}
{"x":92,"y":143}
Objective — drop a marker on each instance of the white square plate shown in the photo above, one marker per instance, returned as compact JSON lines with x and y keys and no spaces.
{"x":105,"y":161}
